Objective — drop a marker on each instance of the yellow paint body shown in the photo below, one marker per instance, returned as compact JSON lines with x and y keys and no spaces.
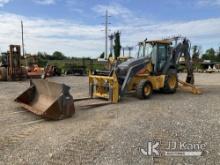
{"x":156,"y":81}
{"x":108,"y":87}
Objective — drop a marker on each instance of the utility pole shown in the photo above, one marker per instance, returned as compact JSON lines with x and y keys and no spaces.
{"x":106,"y":34}
{"x":22,"y":37}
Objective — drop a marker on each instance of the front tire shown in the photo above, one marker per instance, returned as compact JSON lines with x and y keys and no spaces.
{"x":144,"y":89}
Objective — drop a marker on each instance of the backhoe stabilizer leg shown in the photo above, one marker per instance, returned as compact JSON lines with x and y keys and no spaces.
{"x":189,"y":87}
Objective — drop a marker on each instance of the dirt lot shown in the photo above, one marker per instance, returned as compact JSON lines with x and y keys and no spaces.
{"x":112,"y":134}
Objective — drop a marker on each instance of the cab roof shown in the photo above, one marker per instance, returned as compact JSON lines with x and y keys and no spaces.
{"x":159,"y":42}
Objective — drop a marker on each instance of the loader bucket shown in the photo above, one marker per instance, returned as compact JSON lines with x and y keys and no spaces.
{"x":47,"y":99}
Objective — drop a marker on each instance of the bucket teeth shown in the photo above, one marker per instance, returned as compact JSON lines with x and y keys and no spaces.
{"x":47,"y":99}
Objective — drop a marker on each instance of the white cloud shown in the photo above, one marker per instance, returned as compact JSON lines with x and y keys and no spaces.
{"x":209,"y":2}
{"x":120,"y":13}
{"x":3,"y":2}
{"x":201,"y":32}
{"x":113,"y":9}
{"x":45,"y":2}
{"x":49,"y":35}
{"x":76,"y":39}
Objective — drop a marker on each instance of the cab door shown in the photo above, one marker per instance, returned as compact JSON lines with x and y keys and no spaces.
{"x":161,"y":57}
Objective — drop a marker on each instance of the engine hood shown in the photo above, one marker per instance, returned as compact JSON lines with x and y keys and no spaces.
{"x":123,"y":67}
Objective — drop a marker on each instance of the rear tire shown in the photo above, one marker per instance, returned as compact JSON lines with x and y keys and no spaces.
{"x":3,"y":74}
{"x":171,"y":82}
{"x":144,"y":89}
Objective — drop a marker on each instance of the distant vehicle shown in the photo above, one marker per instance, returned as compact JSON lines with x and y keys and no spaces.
{"x":52,"y":70}
{"x":34,"y":71}
{"x":76,"y":70}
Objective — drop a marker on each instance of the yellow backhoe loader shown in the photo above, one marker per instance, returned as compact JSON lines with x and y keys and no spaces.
{"x":155,"y":68}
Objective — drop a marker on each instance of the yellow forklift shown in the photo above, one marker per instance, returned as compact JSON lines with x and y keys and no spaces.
{"x":10,"y":68}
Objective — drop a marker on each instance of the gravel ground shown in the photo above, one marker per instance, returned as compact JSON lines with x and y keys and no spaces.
{"x":112,"y":134}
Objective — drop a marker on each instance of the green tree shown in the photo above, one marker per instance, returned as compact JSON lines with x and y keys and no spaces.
{"x":44,"y":55}
{"x":209,"y":55}
{"x":58,"y":56}
{"x":218,"y":55}
{"x":42,"y":59}
{"x":117,"y":46}
{"x":196,"y":53}
{"x":41,"y":62}
{"x":102,"y":55}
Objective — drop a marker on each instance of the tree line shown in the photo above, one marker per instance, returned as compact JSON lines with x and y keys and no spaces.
{"x":42,"y":58}
{"x":210,"y":54}
{"x":197,"y":55}
{"x":57,"y":55}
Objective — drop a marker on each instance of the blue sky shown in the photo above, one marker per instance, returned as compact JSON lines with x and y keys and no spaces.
{"x":74,"y":26}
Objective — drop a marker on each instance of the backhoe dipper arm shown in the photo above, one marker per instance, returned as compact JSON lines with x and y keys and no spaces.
{"x":184,"y":49}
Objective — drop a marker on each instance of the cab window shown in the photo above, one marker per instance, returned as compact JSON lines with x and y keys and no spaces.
{"x":162,"y":56}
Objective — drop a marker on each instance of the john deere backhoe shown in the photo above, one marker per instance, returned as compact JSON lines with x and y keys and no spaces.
{"x":155,"y":68}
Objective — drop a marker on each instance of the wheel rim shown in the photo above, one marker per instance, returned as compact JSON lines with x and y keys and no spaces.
{"x":147,"y":90}
{"x":172,"y":81}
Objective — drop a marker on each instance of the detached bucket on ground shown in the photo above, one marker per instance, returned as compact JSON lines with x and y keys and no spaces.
{"x":47,"y":99}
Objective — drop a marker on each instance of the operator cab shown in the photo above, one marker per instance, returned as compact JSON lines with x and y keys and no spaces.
{"x":4,"y":60}
{"x":158,"y":52}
